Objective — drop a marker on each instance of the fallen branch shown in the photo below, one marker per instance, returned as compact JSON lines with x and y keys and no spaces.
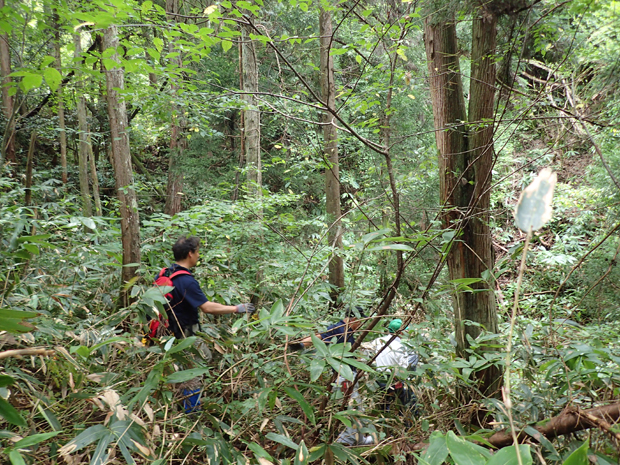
{"x":601,"y":424}
{"x":21,"y":352}
{"x":569,"y":421}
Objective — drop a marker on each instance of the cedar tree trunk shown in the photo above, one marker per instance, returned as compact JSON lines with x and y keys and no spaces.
{"x":330,"y":153}
{"x":123,"y":173}
{"x":465,"y":162}
{"x":178,"y":142}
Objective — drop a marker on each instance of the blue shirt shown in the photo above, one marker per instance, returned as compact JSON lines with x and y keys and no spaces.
{"x":186,"y":298}
{"x":338,"y":331}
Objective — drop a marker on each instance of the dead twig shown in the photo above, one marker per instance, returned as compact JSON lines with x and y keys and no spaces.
{"x":22,"y":352}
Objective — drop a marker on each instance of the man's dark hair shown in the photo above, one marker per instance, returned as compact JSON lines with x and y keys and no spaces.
{"x":183,"y":246}
{"x":354,"y":311}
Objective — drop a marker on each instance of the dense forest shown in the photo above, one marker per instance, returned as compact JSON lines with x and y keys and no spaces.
{"x":440,"y":176}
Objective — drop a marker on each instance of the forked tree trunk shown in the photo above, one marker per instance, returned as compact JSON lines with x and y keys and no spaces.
{"x":465,"y":161}
{"x":251,"y":115}
{"x":178,"y":142}
{"x":62,"y":134}
{"x":7,"y":151}
{"x":330,"y":153}
{"x":123,"y":173}
{"x":480,"y":305}
{"x":83,"y":146}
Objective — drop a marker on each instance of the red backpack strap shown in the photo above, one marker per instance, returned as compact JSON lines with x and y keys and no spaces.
{"x":177,"y":273}
{"x":161,"y":273}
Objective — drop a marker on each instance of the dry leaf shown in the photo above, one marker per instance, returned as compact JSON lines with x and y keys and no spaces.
{"x":149,"y":412}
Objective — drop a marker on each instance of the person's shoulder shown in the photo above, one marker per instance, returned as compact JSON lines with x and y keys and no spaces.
{"x":339,"y":326}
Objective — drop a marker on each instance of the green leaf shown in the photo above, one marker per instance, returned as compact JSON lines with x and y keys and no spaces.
{"x":319,"y":345}
{"x":279,"y":438}
{"x":35,"y":439}
{"x":186,"y":375}
{"x":226,"y":45}
{"x":437,"y":451}
{"x":31,"y":81}
{"x":305,"y":406}
{"x":100,"y":456}
{"x":8,"y":412}
{"x":580,"y":456}
{"x":508,"y":456}
{"x":534,"y":207}
{"x":465,"y":281}
{"x":341,"y":368}
{"x":52,"y":77}
{"x":88,"y":222}
{"x":6,"y":380}
{"x":17,"y":314}
{"x":85,"y":438}
{"x":302,"y":455}
{"x":463,"y":452}
{"x":316,"y":368}
{"x":259,"y":451}
{"x":184,"y":344}
{"x":151,"y":383}
{"x":16,"y":458}
{"x":390,"y":247}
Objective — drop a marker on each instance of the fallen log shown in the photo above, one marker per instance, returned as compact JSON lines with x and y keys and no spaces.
{"x":569,"y":421}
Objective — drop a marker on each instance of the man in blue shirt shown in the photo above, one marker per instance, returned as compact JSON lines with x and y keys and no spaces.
{"x":187,"y":297}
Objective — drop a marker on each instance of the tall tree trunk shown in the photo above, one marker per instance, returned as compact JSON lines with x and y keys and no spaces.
{"x":465,"y":173}
{"x":8,"y":140}
{"x":62,"y":134}
{"x":251,"y":115}
{"x":123,"y":173}
{"x":481,"y":306}
{"x":94,"y":177}
{"x":178,"y":142}
{"x":83,"y":147}
{"x":29,"y":167}
{"x":330,"y":153}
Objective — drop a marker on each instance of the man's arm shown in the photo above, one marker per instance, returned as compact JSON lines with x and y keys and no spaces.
{"x":301,"y":345}
{"x":218,"y":309}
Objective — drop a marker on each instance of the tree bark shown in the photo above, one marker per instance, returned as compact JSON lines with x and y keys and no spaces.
{"x":62,"y":134}
{"x":178,"y":142}
{"x":123,"y":173}
{"x":29,"y":163}
{"x":330,"y":154}
{"x":8,"y":107}
{"x":569,"y":421}
{"x":83,"y":146}
{"x":481,"y":305}
{"x":251,"y":115}
{"x":465,"y":161}
{"x":94,"y":177}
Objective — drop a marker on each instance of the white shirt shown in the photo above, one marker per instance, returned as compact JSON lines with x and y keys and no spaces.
{"x":394,"y":356}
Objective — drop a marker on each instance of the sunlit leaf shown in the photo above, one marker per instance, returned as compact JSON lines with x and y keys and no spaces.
{"x":52,"y":77}
{"x":534,"y":207}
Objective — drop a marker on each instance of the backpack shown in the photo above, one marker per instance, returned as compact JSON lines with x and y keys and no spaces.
{"x":160,"y":326}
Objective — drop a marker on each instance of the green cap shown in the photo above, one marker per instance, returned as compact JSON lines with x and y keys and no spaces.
{"x":395,"y":325}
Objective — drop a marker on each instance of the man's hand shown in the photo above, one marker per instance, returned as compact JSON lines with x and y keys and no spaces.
{"x":246,"y":308}
{"x":296,"y":347}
